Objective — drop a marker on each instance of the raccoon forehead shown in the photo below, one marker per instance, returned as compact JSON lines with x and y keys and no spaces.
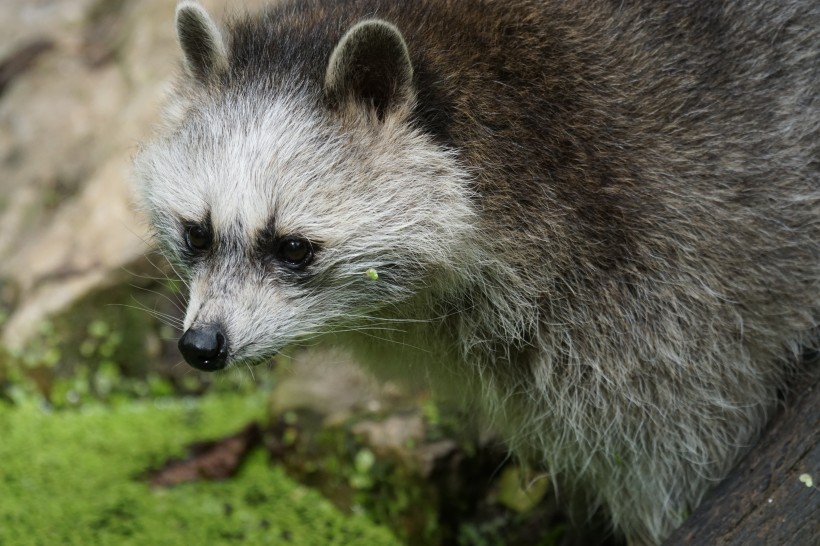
{"x":286,"y":165}
{"x":230,"y":160}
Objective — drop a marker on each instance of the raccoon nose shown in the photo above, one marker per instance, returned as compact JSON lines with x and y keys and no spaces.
{"x":204,"y":347}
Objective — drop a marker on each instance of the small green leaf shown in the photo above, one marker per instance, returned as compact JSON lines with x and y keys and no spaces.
{"x":98,"y":329}
{"x":519,"y":493}
{"x":364,"y":460}
{"x":372,"y":274}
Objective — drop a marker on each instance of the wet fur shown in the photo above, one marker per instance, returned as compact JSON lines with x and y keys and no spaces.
{"x":597,"y":221}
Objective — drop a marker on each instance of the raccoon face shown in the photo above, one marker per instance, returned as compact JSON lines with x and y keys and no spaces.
{"x":291,"y":221}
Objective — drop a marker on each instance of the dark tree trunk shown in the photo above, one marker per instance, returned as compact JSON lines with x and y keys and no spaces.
{"x":765,"y":501}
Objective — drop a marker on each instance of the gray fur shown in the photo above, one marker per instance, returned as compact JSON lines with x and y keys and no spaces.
{"x":597,"y":223}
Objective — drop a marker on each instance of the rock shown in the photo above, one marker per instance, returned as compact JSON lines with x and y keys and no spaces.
{"x":84,"y":84}
{"x":327,"y":382}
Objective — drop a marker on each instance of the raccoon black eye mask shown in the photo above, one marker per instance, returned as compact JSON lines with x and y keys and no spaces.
{"x":292,"y":251}
{"x":597,"y":223}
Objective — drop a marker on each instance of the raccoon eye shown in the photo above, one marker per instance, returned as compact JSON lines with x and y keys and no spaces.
{"x":197,"y":237}
{"x":294,"y":252}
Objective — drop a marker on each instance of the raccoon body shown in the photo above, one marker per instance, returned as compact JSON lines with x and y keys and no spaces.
{"x":596,"y":222}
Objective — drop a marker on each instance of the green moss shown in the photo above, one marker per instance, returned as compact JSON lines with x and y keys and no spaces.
{"x":74,"y":477}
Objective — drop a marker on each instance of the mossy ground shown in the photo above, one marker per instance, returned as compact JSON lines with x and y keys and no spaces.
{"x":76,"y":477}
{"x":96,"y":399}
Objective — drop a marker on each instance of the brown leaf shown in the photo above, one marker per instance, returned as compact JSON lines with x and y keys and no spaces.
{"x":214,"y":460}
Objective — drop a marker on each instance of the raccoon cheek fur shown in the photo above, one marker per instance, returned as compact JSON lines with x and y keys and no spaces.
{"x":600,"y":221}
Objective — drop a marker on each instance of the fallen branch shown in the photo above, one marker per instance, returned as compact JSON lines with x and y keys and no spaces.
{"x":772,"y":498}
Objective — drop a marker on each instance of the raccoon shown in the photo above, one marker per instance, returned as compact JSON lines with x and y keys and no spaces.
{"x":596,"y":223}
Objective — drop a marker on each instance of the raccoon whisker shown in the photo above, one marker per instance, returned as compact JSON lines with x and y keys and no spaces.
{"x":367,"y":328}
{"x":392,"y":320}
{"x":170,"y":264}
{"x":181,"y":278}
{"x":180,"y":363}
{"x":178,"y":274}
{"x":371,"y":333}
{"x":165,"y":318}
{"x":168,"y":320}
{"x":146,"y":240}
{"x":163,"y":278}
{"x":163,"y":275}
{"x":149,"y":241}
{"x":283,"y":355}
{"x":173,"y":268}
{"x":177,"y":304}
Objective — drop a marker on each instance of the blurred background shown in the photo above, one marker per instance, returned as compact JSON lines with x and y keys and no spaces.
{"x":106,"y":436}
{"x":81,"y":85}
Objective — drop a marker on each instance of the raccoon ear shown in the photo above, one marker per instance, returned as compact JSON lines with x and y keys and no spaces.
{"x":202,"y":44}
{"x":371,"y":65}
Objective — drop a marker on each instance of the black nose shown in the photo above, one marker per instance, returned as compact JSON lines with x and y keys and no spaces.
{"x":204,"y":347}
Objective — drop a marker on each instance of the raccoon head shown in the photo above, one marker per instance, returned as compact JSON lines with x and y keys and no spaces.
{"x":304,"y":211}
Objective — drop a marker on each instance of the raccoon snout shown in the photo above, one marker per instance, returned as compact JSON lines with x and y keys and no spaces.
{"x":204,"y":347}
